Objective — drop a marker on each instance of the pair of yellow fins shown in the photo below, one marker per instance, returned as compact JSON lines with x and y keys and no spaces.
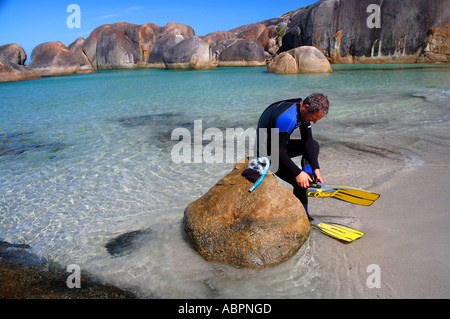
{"x":344,"y":193}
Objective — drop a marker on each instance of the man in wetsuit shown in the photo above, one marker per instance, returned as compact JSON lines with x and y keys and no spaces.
{"x":279,"y":121}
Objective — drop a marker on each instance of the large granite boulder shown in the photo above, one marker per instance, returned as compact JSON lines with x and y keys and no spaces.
{"x":10,"y":72}
{"x":124,"y":45}
{"x":268,"y":38}
{"x":13,"y":53}
{"x":147,"y":35}
{"x":179,"y":29}
{"x":306,"y":59}
{"x":268,"y":33}
{"x":340,"y":29}
{"x":167,"y":36}
{"x":12,"y":64}
{"x":162,"y":44}
{"x":254,"y":31}
{"x":108,"y":48}
{"x":77,"y":48}
{"x":247,"y":52}
{"x":54,"y":58}
{"x":437,"y":45}
{"x":246,"y":230}
{"x":217,"y":37}
{"x":190,"y":53}
{"x":142,"y":37}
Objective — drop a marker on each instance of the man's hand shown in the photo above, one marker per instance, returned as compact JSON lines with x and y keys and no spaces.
{"x":303,"y":180}
{"x":318,"y":176}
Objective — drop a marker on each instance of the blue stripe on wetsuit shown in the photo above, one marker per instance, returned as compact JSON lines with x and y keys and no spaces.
{"x":287,"y":121}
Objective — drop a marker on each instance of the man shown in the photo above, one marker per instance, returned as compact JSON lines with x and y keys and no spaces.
{"x":279,"y":121}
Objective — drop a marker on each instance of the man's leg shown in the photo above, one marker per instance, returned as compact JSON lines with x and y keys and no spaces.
{"x":296,"y":148}
{"x":299,"y":192}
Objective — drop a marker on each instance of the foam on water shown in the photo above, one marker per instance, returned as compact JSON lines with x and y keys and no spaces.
{"x":85,"y":160}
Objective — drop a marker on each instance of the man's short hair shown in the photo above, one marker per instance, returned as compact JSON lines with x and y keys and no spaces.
{"x":317,"y":103}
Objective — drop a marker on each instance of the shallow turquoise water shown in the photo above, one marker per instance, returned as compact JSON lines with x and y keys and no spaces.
{"x":87,"y":158}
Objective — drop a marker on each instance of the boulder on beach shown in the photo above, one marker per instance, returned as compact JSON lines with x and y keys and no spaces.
{"x":178,"y":28}
{"x":13,"y":53}
{"x":162,"y":44}
{"x":54,"y":58}
{"x":10,"y":72}
{"x":353,"y":31}
{"x":190,"y":53}
{"x":217,"y":37}
{"x":437,"y":47}
{"x":306,"y":59}
{"x":246,"y":230}
{"x":268,"y":38}
{"x":12,"y":68}
{"x":254,"y":31}
{"x":169,"y":35}
{"x":108,"y":48}
{"x":247,"y":52}
{"x":77,"y":48}
{"x":142,"y":37}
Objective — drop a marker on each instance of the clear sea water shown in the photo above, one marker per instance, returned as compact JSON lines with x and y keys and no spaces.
{"x":85,"y":159}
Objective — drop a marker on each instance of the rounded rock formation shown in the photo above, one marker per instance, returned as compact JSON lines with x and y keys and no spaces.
{"x":246,"y":230}
{"x":10,"y":72}
{"x":245,"y":52}
{"x":13,"y":53}
{"x":306,"y":59}
{"x":108,"y":48}
{"x":190,"y":53}
{"x":53,"y":58}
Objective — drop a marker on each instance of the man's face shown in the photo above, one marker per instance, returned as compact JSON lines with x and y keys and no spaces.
{"x":310,"y":117}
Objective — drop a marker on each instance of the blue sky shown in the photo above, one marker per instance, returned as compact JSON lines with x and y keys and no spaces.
{"x":32,"y":22}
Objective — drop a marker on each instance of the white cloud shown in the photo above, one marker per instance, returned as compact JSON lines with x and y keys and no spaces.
{"x":121,"y":14}
{"x":108,"y":16}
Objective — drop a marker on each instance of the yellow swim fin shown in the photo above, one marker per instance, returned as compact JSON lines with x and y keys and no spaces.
{"x":337,"y":231}
{"x":344,"y":193}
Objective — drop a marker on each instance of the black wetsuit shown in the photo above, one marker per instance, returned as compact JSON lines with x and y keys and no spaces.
{"x":285,"y":116}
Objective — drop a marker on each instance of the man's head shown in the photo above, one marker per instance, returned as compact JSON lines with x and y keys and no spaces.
{"x":314,"y":107}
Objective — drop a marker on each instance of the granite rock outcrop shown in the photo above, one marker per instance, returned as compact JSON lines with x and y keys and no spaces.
{"x":255,"y":230}
{"x":353,"y":31}
{"x":413,"y":31}
{"x":54,"y":58}
{"x":305,"y":59}
{"x":190,"y":53}
{"x":12,"y":64}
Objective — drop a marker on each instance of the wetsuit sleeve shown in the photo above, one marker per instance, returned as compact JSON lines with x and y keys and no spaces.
{"x":284,"y":159}
{"x":310,"y":150}
{"x":286,"y":123}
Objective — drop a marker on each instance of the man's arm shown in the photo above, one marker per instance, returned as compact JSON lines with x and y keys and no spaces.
{"x":284,"y":159}
{"x":310,"y":149}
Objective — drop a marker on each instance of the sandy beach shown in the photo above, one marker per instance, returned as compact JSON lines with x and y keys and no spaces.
{"x":407,"y":234}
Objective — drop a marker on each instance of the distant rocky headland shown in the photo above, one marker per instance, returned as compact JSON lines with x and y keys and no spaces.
{"x":414,"y":31}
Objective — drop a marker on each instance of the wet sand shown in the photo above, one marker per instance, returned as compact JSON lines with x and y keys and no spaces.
{"x":407,"y":234}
